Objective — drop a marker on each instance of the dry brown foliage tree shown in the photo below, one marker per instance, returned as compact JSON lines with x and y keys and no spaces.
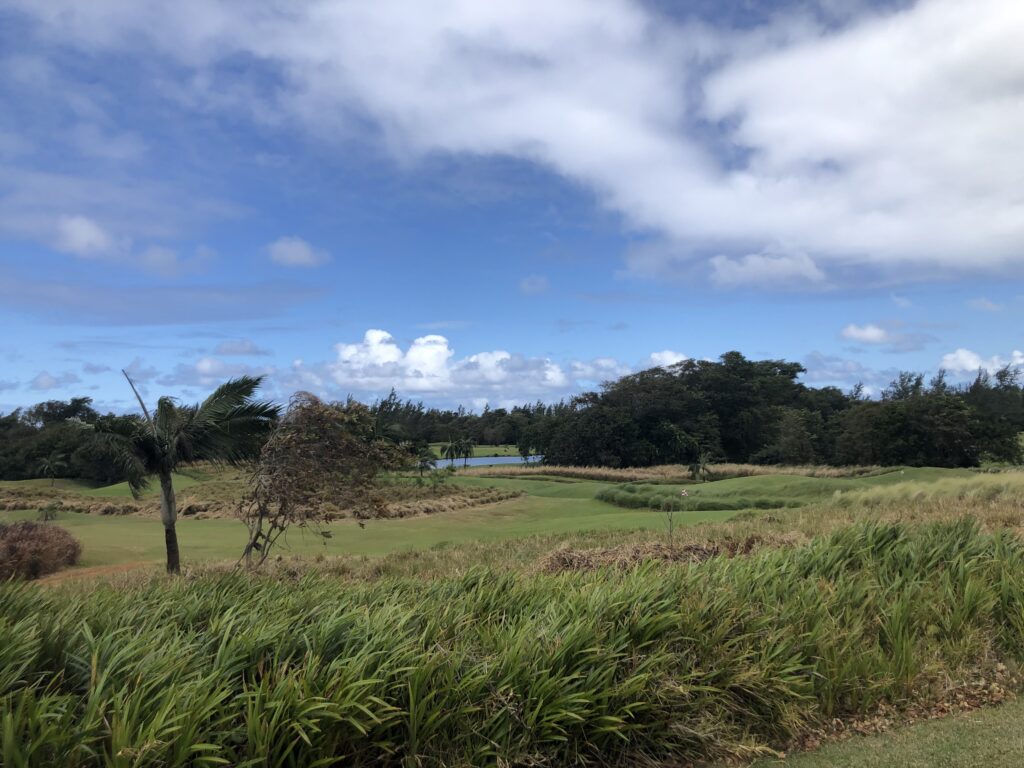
{"x":320,"y":457}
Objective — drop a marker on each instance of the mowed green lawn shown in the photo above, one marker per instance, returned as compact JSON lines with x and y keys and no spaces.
{"x":993,"y":738}
{"x":550,"y":507}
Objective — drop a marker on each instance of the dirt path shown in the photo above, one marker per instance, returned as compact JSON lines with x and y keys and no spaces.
{"x":92,"y":572}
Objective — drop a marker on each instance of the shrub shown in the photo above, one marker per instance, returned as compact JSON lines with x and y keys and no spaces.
{"x":29,"y":550}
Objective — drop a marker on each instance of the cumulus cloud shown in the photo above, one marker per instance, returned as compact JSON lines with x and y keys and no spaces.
{"x":296,"y":252}
{"x":44,"y":381}
{"x":964,"y":361}
{"x":772,"y":268}
{"x":866,"y":334}
{"x":598,"y":370}
{"x":428,"y":366}
{"x":667,"y":357}
{"x":892,"y":340}
{"x":5,"y":385}
{"x":84,"y":237}
{"x":94,"y":368}
{"x":81,"y":236}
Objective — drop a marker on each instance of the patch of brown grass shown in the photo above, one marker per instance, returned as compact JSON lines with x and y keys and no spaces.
{"x":667,"y":473}
{"x":29,"y":550}
{"x":631,"y":555}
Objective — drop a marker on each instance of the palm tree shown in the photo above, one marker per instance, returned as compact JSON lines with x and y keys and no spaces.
{"x":699,"y":466}
{"x":53,"y":465}
{"x":425,"y":459}
{"x":451,"y":451}
{"x":466,"y":450}
{"x":228,"y":427}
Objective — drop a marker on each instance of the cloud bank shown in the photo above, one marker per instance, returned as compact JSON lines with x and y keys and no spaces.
{"x":776,"y":155}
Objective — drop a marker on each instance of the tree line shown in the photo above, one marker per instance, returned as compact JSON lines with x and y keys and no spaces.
{"x":757,"y":411}
{"x":732,"y":409}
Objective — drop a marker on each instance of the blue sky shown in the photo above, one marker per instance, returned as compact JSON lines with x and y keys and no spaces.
{"x":482,"y":204}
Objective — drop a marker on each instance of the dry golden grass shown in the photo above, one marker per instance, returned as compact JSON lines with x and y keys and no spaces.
{"x":669,"y":473}
{"x":219,"y":491}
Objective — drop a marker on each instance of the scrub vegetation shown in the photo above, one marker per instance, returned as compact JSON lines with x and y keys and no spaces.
{"x":720,"y":606}
{"x":727,"y":658}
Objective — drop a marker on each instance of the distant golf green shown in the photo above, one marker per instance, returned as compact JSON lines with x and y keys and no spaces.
{"x":549,"y":507}
{"x":552,"y":505}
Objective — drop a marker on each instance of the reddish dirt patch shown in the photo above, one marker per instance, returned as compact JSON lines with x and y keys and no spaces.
{"x":92,"y":572}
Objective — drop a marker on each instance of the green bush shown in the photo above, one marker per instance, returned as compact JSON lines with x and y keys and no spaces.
{"x":639,"y":497}
{"x":697,"y":662}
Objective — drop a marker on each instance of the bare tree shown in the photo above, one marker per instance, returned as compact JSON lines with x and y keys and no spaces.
{"x":321,"y":457}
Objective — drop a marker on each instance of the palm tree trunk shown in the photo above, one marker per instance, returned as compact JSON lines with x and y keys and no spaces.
{"x":169,"y":516}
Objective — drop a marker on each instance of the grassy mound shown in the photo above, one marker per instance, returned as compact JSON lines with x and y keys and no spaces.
{"x":723,"y":658}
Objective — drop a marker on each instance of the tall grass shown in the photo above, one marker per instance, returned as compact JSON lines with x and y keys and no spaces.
{"x":709,"y":661}
{"x":979,"y":489}
{"x":669,"y":500}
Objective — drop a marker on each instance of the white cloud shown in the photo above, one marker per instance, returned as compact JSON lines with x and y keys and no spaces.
{"x":966,"y":361}
{"x":895,"y":338}
{"x":296,"y":252}
{"x":880,"y":143}
{"x":598,"y":370}
{"x":533,"y":285}
{"x":667,"y":357}
{"x":84,"y":237}
{"x":428,"y":367}
{"x":866,"y":334}
{"x":81,"y":236}
{"x":772,"y":268}
{"x":44,"y":381}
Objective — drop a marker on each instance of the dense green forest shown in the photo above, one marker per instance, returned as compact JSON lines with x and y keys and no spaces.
{"x":747,"y":411}
{"x":732,"y":409}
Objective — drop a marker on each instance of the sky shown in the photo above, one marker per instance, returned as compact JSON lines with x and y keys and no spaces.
{"x":496,"y":203}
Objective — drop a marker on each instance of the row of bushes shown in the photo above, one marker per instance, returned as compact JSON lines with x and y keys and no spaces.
{"x":706,"y":661}
{"x":634,"y":497}
{"x":29,"y":550}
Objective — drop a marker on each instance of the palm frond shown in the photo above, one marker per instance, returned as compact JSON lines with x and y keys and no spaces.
{"x":228,"y":426}
{"x":132,"y":454}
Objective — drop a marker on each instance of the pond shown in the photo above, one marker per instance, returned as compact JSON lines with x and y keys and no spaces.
{"x":487,"y":461}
